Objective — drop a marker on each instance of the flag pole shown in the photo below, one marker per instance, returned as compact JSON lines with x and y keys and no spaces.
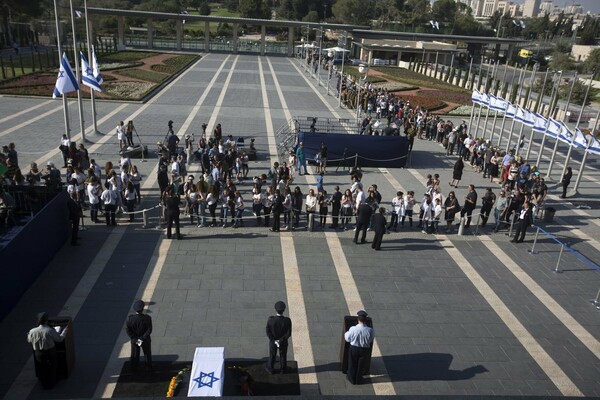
{"x":550,"y":105}
{"x":555,"y":89}
{"x":568,"y":158}
{"x":496,"y":111}
{"x":89,"y":48}
{"x":64,"y":97}
{"x":585,"y":154}
{"x":518,"y":100}
{"x":487,"y":112}
{"x":531,"y":81}
{"x":487,"y":74}
{"x":563,"y":119}
{"x":77,"y":73}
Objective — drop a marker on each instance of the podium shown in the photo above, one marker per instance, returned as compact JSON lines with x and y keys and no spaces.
{"x":349,"y":322}
{"x":65,"y":350}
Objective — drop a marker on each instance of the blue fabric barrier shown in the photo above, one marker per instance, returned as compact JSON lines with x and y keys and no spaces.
{"x":373,"y":151}
{"x":25,"y":257}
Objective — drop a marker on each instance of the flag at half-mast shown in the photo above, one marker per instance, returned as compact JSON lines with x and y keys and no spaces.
{"x":66,"y":81}
{"x":96,"y":68}
{"x":87,"y":75}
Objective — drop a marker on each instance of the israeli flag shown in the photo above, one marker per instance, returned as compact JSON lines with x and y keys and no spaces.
{"x":485,"y":99}
{"x":87,"y":75}
{"x":96,"y":68}
{"x":511,"y":110}
{"x":540,"y":122}
{"x":553,"y":128}
{"x":497,"y":103}
{"x":564,"y":134}
{"x":476,"y":96}
{"x":529,"y":118}
{"x":594,"y":147}
{"x":208,"y":372}
{"x":580,"y":140}
{"x":66,"y":81}
{"x":520,"y":114}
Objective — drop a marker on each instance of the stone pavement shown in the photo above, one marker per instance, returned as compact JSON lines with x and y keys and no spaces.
{"x":454,"y":315}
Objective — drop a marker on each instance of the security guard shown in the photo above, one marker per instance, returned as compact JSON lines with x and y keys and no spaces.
{"x":360,"y":338}
{"x":279,"y":330}
{"x":139,"y":328}
{"x":44,"y":339}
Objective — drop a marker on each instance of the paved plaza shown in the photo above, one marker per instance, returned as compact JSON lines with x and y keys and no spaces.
{"x":469,"y":315}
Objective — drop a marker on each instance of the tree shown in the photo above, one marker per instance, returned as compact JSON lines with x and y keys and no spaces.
{"x":561,"y":61}
{"x":592,"y":63}
{"x":589,"y":30}
{"x":578,"y":93}
{"x":254,"y":9}
{"x":353,"y":11}
{"x":312,"y":16}
{"x":444,"y":10}
{"x":286,"y":10}
{"x":204,"y":8}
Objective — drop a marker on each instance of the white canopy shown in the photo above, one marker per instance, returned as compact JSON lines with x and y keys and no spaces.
{"x":336,"y":49}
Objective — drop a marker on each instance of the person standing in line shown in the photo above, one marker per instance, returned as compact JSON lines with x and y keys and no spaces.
{"x":129,"y":133}
{"x":109,"y":198}
{"x":74,"y":216}
{"x":279,"y":330}
{"x":525,"y":221}
{"x":121,"y":135}
{"x":457,"y":172}
{"x":499,"y":210}
{"x":379,"y":226}
{"x":172,"y":203}
{"x":397,"y":205}
{"x":488,"y":201}
{"x":360,"y":338}
{"x":470,"y":204}
{"x":336,"y":205}
{"x":363,"y":217}
{"x":43,"y":339}
{"x":566,"y":181}
{"x":139,"y":329}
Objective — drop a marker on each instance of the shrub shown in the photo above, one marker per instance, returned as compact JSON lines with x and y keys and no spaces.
{"x":144,"y":75}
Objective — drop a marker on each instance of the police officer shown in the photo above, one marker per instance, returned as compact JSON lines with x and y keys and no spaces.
{"x":172,"y":202}
{"x":279,"y":330}
{"x":360,"y":338}
{"x":44,"y":339}
{"x":139,"y":328}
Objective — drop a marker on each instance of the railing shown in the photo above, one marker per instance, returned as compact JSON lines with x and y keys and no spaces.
{"x":563,"y":246}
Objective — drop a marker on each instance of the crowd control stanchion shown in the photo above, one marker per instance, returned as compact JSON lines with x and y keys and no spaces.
{"x":159,"y":223}
{"x":537,"y":232}
{"x":311,"y":222}
{"x":477,"y":224}
{"x":557,"y":269}
{"x":82,"y":227}
{"x":461,"y":226}
{"x":596,"y":301}
{"x":512,"y":222}
{"x":145,"y":218}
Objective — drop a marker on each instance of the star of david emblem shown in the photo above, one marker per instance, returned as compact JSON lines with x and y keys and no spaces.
{"x":61,"y":73}
{"x":88,"y":71}
{"x":205,"y":379}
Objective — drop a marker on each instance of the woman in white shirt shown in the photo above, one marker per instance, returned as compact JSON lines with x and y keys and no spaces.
{"x":121,"y":135}
{"x":136,"y":178}
{"x":239,"y":209}
{"x":257,"y":199}
{"x":93,"y":192}
{"x":397,"y":206}
{"x":310,"y":204}
{"x":212,"y":200}
{"x":287,"y":209}
{"x":130,"y":199}
{"x":267,"y":203}
{"x":347,"y":203}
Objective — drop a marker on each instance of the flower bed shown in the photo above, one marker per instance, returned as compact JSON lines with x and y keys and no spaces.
{"x":126,"y":56}
{"x":461,"y":110}
{"x":143,"y":75}
{"x":128,"y":90}
{"x":416,"y":79}
{"x":451,"y":97}
{"x":430,"y":103}
{"x":174,"y":64}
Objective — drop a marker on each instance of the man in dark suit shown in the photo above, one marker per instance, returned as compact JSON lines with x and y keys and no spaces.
{"x":363,"y":217}
{"x":336,"y":205}
{"x":525,"y":219}
{"x":379,"y":227}
{"x":279,"y":330}
{"x":139,"y":328}
{"x":74,"y":216}
{"x":172,"y":202}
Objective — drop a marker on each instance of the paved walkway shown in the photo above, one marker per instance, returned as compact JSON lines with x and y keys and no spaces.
{"x":454,"y":315}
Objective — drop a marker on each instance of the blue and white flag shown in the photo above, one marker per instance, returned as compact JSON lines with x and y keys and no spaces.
{"x":580,"y":140}
{"x":208,"y":372}
{"x":564,"y":134}
{"x":96,"y":68}
{"x":476,"y":96}
{"x":540,"y":122}
{"x":485,"y":99}
{"x":66,"y":81}
{"x":553,"y":128}
{"x":594,"y":147}
{"x":520,"y":114}
{"x":511,"y":110}
{"x":87,"y":75}
{"x":497,"y":103}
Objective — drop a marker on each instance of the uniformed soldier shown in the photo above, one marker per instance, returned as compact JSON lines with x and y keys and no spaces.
{"x":279,"y":330}
{"x":360,"y":338}
{"x":139,"y":328}
{"x":44,"y":339}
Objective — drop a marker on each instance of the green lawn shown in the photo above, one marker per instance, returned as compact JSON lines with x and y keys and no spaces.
{"x":416,"y":79}
{"x":215,"y":11}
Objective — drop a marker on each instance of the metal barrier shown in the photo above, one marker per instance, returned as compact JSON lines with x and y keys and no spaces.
{"x":563,"y":247}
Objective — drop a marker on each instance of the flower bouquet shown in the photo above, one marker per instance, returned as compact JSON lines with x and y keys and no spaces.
{"x":175,"y":381}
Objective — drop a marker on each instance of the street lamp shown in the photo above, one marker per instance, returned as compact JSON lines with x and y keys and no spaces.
{"x":362,"y":70}
{"x":330,"y":55}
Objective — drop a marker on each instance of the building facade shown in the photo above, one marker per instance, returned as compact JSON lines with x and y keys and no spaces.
{"x":531,"y":8}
